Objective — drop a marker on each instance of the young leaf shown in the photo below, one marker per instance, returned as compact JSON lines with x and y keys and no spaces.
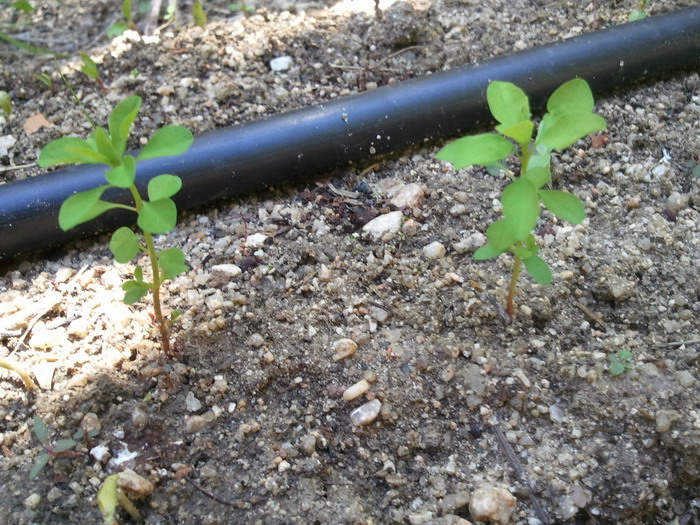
{"x":564,"y":205}
{"x":172,"y":261}
{"x":126,"y":9}
{"x":40,"y":463}
{"x":158,"y":216}
{"x":5,"y":102}
{"x":175,"y":314}
{"x":476,"y":150}
{"x":538,"y":177}
{"x":23,"y":5}
{"x":135,"y":290}
{"x":107,"y":499}
{"x":562,"y":131}
{"x":105,"y":147}
{"x":117,"y":29}
{"x":167,"y":141}
{"x":123,"y":175}
{"x":63,"y":444}
{"x":500,"y":235}
{"x":508,"y":103}
{"x":198,"y":13}
{"x":40,"y":430}
{"x":520,"y":132}
{"x":573,"y":96}
{"x":636,"y":14}
{"x":69,"y":150}
{"x":487,"y":252}
{"x":120,"y":121}
{"x":138,"y":274}
{"x":124,"y":244}
{"x":163,"y":187}
{"x":521,"y":207}
{"x":89,"y":67}
{"x":538,"y":270}
{"x":82,"y":207}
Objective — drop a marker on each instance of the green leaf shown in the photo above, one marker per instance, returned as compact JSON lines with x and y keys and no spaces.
{"x":508,"y":103}
{"x":40,"y":430}
{"x":198,"y":13}
{"x":117,"y":29}
{"x":121,"y":120}
{"x":105,"y":147}
{"x":28,"y":47}
{"x":40,"y":463}
{"x":167,"y":141}
{"x":476,"y":150}
{"x":175,"y":314}
{"x":624,"y":355}
{"x":500,"y":235}
{"x":538,"y":177}
{"x":123,"y":176}
{"x":126,"y":9}
{"x":23,"y":6}
{"x":637,"y":14}
{"x":107,"y":499}
{"x":560,"y":132}
{"x":520,"y":132}
{"x":487,"y":252}
{"x":564,"y":205}
{"x":5,"y":102}
{"x":44,"y":79}
{"x":163,"y":187}
{"x":573,"y":96}
{"x":124,"y":244}
{"x":538,"y":270}
{"x":616,"y":368}
{"x":70,"y":150}
{"x":63,"y":444}
{"x":82,"y":207}
{"x":158,"y":216}
{"x":138,"y":274}
{"x":89,"y":67}
{"x":521,"y":207}
{"x":135,"y":291}
{"x":172,"y":261}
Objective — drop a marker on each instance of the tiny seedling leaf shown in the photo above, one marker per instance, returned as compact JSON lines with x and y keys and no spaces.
{"x":616,"y":368}
{"x":521,"y":207}
{"x":538,"y":270}
{"x":124,"y":244}
{"x":22,"y":5}
{"x":624,"y":355}
{"x":520,"y":132}
{"x":117,"y":29}
{"x":123,"y":176}
{"x":637,"y":14}
{"x":172,"y":261}
{"x":167,"y":141}
{"x":70,"y":150}
{"x":560,"y":132}
{"x":63,"y":444}
{"x":40,"y":430}
{"x":134,"y":291}
{"x":175,"y":314}
{"x":105,"y":147}
{"x":487,"y":252}
{"x":500,"y":235}
{"x":126,"y":9}
{"x":89,"y":67}
{"x":198,"y":13}
{"x":574,"y":96}
{"x":5,"y":102}
{"x":121,"y":120}
{"x":476,"y":150}
{"x":163,"y":187}
{"x":508,"y":103}
{"x":158,"y":216}
{"x":538,"y":177}
{"x":564,"y":205}
{"x":107,"y":499}
{"x":39,"y":464}
{"x":82,"y":207}
{"x":138,"y":274}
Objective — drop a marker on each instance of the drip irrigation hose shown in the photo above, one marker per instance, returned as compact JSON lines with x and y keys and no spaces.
{"x":317,"y":139}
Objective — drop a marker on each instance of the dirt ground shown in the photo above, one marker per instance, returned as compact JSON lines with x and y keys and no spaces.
{"x":249,"y":424}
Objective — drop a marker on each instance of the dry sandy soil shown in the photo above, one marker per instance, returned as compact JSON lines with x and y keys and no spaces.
{"x":248,"y":424}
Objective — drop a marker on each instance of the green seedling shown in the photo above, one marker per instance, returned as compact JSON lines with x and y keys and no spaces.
{"x":200,"y":18}
{"x":569,"y":118}
{"x":243,"y":7}
{"x":44,"y":79}
{"x":156,"y":215}
{"x":89,"y":68}
{"x":128,"y":23}
{"x":5,"y":102}
{"x":60,"y":449}
{"x":620,"y":362}
{"x":110,"y":497}
{"x":8,"y":364}
{"x":639,"y":12}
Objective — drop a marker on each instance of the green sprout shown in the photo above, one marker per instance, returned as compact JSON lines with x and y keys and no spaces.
{"x":639,"y":12}
{"x":620,"y":362}
{"x":200,"y":18}
{"x":44,"y":79}
{"x":89,"y":68}
{"x":5,"y":102}
{"x":110,"y":497}
{"x":243,"y":7}
{"x":156,"y":215}
{"x":128,"y":23}
{"x":60,"y":449}
{"x":569,"y":118}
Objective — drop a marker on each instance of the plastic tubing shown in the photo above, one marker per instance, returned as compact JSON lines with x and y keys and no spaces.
{"x":306,"y":142}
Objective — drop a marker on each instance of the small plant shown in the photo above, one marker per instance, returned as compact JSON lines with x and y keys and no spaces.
{"x":44,"y":79}
{"x":89,"y":68}
{"x":639,"y":12}
{"x":156,"y":215}
{"x":128,"y":23}
{"x":5,"y":103}
{"x":620,"y":362}
{"x":200,"y":18}
{"x":110,"y":497}
{"x":243,"y":7}
{"x":60,"y":449}
{"x":569,"y":118}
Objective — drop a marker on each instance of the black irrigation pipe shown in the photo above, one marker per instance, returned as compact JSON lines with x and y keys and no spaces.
{"x":317,"y":139}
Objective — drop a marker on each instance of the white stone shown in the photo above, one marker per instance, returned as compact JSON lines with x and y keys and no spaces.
{"x":6,"y":143}
{"x":44,"y":374}
{"x":229,"y":270}
{"x":406,"y":195}
{"x":356,"y":390}
{"x":434,"y":250}
{"x":493,"y":504}
{"x":685,"y":378}
{"x":32,"y":501}
{"x":256,"y":240}
{"x":192,"y":403}
{"x":344,"y":348}
{"x":384,"y":227}
{"x":281,"y":63}
{"x":365,"y":414}
{"x":136,"y":487}
{"x":100,"y":453}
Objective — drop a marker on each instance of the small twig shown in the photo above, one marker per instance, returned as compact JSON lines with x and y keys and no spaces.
{"x":520,"y":473}
{"x":394,"y":54}
{"x":597,"y":319}
{"x":18,"y":167}
{"x":10,"y":333}
{"x":209,"y":494}
{"x":681,"y":343}
{"x":501,"y":312}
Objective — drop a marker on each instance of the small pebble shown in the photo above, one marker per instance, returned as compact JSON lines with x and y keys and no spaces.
{"x":282,"y":63}
{"x":192,"y":403}
{"x":194,"y":424}
{"x":365,"y":414}
{"x":406,"y":195}
{"x":434,"y":250}
{"x":384,"y":227}
{"x":229,"y":270}
{"x":356,"y":390}
{"x":344,"y":348}
{"x":32,"y":501}
{"x":493,"y":504}
{"x":685,"y":378}
{"x":136,"y":487}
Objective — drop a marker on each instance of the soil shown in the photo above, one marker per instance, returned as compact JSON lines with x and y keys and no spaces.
{"x":248,"y":424}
